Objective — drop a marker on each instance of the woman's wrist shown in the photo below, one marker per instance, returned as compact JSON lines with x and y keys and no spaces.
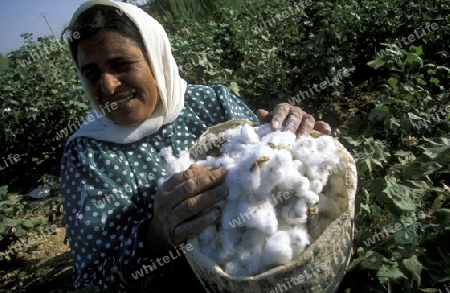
{"x":153,"y":241}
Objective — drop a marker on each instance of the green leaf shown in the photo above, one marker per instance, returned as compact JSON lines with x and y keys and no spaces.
{"x":443,"y":217}
{"x":389,"y":272}
{"x":413,"y":265}
{"x":393,"y":82}
{"x":28,"y":224}
{"x":3,"y":190}
{"x":396,"y":195}
{"x":406,"y":236}
{"x":20,"y":232}
{"x":372,"y":260}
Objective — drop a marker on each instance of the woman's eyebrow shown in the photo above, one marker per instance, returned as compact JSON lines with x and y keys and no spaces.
{"x":109,"y":61}
{"x":88,"y":66}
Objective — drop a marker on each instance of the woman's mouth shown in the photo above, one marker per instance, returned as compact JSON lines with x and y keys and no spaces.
{"x":123,"y":101}
{"x":114,"y":103}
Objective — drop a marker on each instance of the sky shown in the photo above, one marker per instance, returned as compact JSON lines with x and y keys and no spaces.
{"x":24,"y":16}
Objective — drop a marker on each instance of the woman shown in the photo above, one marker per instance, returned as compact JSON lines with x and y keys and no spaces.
{"x":117,"y":220}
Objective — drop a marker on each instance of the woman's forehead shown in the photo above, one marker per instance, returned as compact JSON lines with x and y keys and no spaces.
{"x":106,"y":44}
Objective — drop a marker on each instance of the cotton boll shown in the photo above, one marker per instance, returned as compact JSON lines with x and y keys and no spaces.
{"x":233,"y":269}
{"x":290,"y":217}
{"x":300,"y":208}
{"x":311,"y":197}
{"x":299,"y":166}
{"x":307,"y":142}
{"x":173,"y":164}
{"x":303,"y":187}
{"x":227,"y":240}
{"x":314,"y":172}
{"x":249,"y":251}
{"x":207,"y":240}
{"x":248,"y":135}
{"x":316,"y":186}
{"x":280,"y":140}
{"x":299,"y":239}
{"x":263,"y":150}
{"x":290,"y":179}
{"x":264,"y":129}
{"x":277,"y":250}
{"x":284,"y":157}
{"x":259,"y":216}
{"x":208,"y":235}
{"x":326,"y":144}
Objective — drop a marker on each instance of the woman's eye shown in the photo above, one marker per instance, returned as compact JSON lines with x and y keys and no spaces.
{"x":92,"y":74}
{"x":121,"y":66}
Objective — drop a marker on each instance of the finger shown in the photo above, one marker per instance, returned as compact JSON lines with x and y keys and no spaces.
{"x":279,"y":115}
{"x":306,"y":126}
{"x":197,"y":185}
{"x":263,"y":116}
{"x":322,"y":127}
{"x":187,"y":230}
{"x":193,"y":171}
{"x":294,"y":119}
{"x":199,"y":203}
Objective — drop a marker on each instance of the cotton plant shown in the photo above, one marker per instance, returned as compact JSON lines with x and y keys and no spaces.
{"x":258,"y":229}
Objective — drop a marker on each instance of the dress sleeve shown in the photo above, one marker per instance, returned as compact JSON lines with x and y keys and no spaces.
{"x":233,"y":106}
{"x":105,"y":212}
{"x":216,"y":104}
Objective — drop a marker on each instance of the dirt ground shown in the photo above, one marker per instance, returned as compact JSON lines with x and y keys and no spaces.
{"x":46,"y":268}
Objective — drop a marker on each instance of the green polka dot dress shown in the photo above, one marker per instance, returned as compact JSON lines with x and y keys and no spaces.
{"x":108,"y":189}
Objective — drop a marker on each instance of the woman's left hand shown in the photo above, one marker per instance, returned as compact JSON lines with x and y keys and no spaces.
{"x":286,"y":117}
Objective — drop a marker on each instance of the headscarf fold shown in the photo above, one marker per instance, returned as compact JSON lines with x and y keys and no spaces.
{"x":170,"y":85}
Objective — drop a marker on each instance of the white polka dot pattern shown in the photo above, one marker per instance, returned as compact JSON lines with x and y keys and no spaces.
{"x":108,"y":189}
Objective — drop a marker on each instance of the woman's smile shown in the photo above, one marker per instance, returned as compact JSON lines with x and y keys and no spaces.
{"x":117,"y":72}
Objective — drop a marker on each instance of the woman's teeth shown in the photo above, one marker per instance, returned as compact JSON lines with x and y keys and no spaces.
{"x":124,"y":100}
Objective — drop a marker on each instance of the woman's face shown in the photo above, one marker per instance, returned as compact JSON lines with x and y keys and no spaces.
{"x":118,"y":76}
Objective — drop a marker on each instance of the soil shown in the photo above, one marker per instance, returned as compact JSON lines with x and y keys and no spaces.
{"x":45,"y":268}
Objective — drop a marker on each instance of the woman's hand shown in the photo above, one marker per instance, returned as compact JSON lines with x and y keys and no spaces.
{"x":291,"y":118}
{"x":184,"y":206}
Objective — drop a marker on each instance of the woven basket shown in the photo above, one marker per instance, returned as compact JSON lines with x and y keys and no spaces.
{"x":319,"y":268}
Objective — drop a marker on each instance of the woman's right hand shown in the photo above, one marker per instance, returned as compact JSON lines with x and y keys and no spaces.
{"x":184,"y":206}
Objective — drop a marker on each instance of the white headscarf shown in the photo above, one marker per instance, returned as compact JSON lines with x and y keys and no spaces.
{"x":170,"y":85}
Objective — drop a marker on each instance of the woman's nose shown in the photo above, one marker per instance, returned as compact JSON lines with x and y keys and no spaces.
{"x":109,"y":83}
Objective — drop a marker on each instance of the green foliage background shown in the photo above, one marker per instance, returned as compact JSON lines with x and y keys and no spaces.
{"x":395,"y":119}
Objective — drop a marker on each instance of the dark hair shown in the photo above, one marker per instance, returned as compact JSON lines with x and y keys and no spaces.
{"x":100,"y":17}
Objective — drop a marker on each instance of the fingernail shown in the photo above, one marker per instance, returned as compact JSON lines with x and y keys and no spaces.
{"x":275,"y":124}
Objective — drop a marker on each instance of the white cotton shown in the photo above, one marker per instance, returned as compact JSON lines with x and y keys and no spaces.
{"x":263,"y":130}
{"x":207,"y":240}
{"x":302,"y":187}
{"x":326,"y":144}
{"x":300,"y":208}
{"x":208,"y":235}
{"x":252,"y":244}
{"x":174,"y":164}
{"x":273,"y":180}
{"x":316,"y":186}
{"x":278,"y":250}
{"x":248,"y":135}
{"x":260,"y":216}
{"x":290,"y":217}
{"x":299,"y":239}
{"x":311,"y":197}
{"x":280,"y":139}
